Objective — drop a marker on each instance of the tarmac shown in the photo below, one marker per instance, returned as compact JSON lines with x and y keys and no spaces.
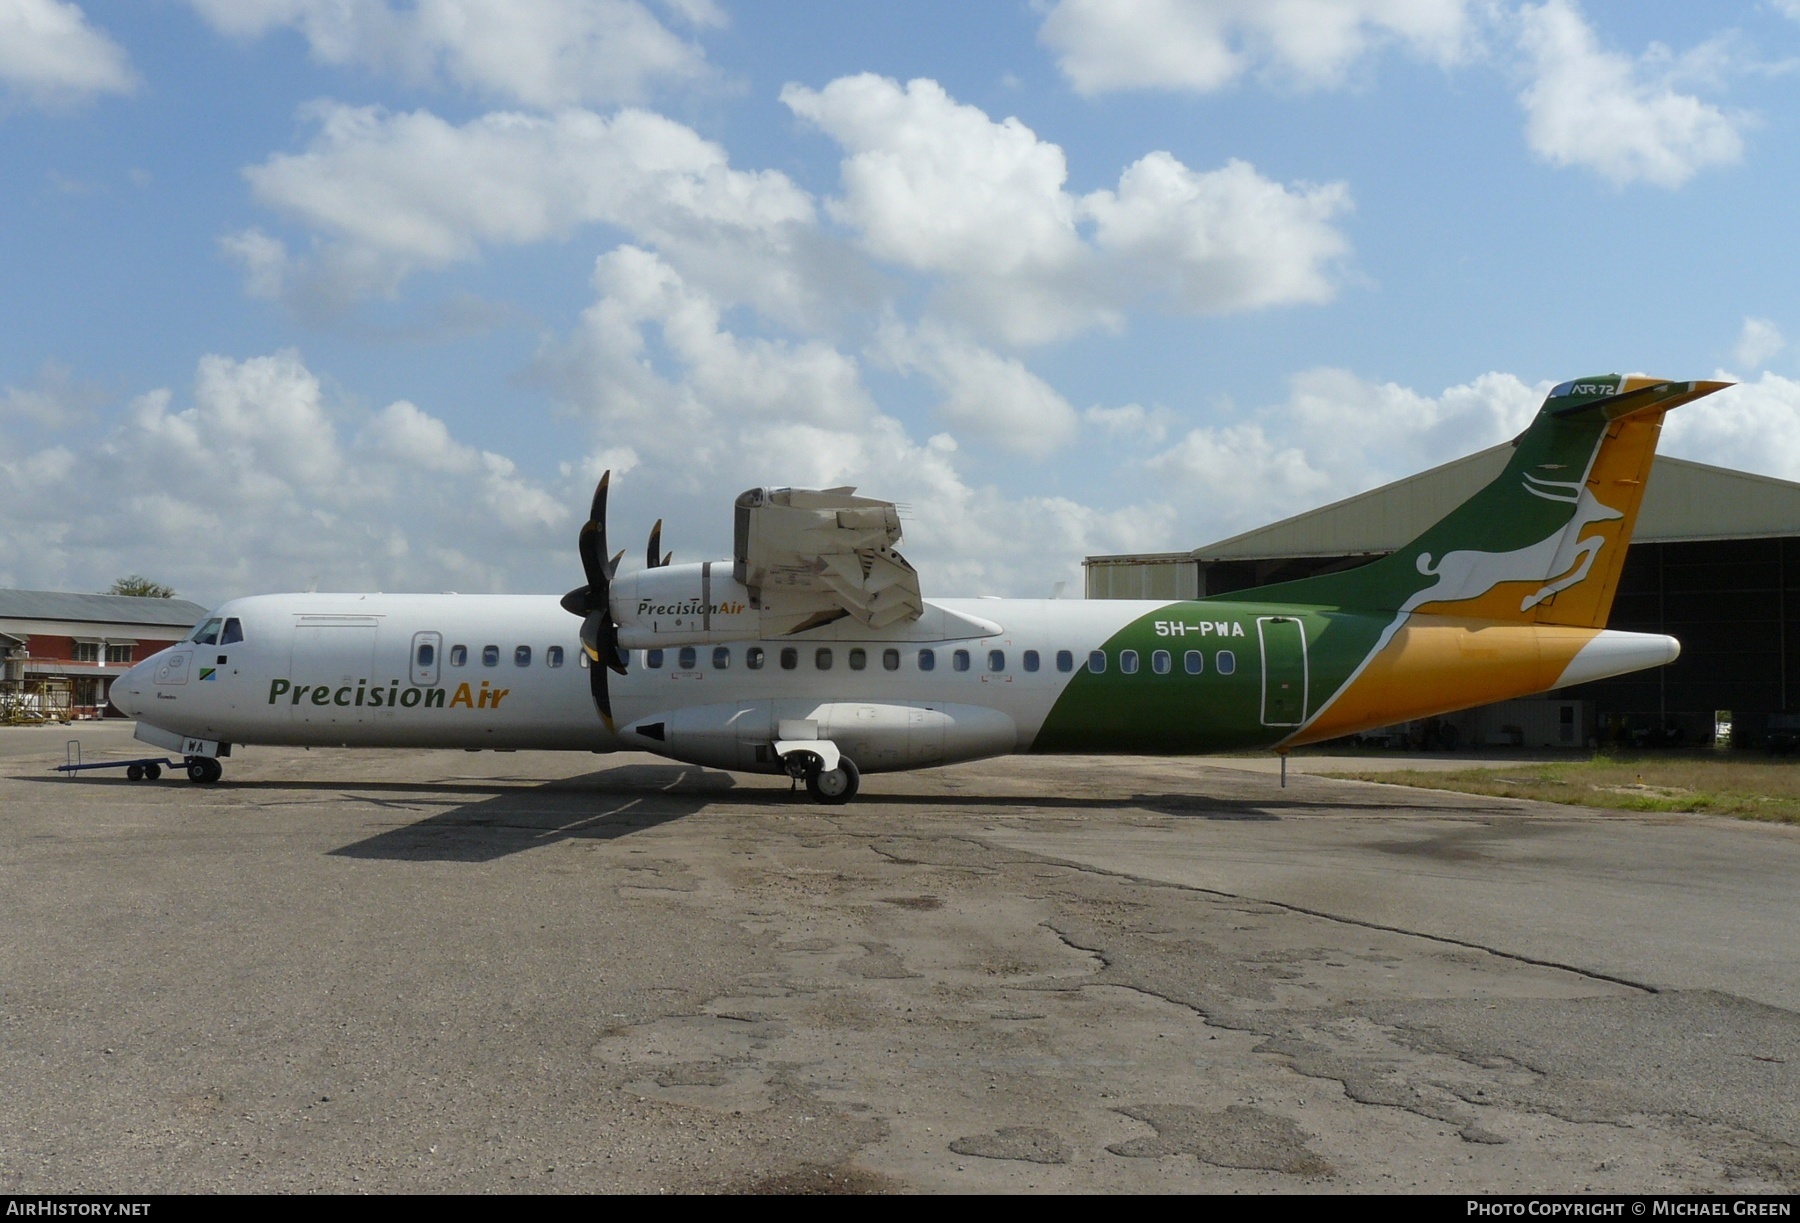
{"x":379,"y":971}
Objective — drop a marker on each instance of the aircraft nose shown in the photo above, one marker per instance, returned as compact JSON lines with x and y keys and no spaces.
{"x":127,"y":690}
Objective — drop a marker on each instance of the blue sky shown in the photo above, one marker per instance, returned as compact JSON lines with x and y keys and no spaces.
{"x":363,"y":294}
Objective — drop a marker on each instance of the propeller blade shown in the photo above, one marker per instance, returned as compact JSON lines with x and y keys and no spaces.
{"x":667,"y":557}
{"x":655,"y":548}
{"x":592,"y":602}
{"x":602,"y":698}
{"x":592,"y":541}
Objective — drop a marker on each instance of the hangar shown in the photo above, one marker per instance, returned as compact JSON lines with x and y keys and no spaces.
{"x":62,"y":651}
{"x":1708,"y":565}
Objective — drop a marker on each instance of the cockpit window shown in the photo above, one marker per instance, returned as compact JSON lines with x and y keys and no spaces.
{"x":234,"y":632}
{"x":207,"y":634}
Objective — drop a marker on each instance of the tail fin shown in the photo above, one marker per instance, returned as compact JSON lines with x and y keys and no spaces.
{"x":1544,"y":543}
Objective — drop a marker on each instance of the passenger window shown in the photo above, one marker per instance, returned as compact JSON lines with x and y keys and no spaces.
{"x":1097,"y":661}
{"x":234,"y":632}
{"x":721,"y":658}
{"x":686,"y":658}
{"x":822,"y":659}
{"x":206,"y":634}
{"x":960,"y":660}
{"x":859,"y":659}
{"x":927,"y":660}
{"x":653,"y":659}
{"x":1194,"y":661}
{"x":1226,"y":662}
{"x":890,"y":660}
{"x":1065,"y":661}
{"x":459,"y":655}
{"x":1128,"y":661}
{"x":753,"y":658}
{"x":553,"y":656}
{"x":1031,"y":660}
{"x":790,"y":658}
{"x":521,"y":656}
{"x":490,"y":655}
{"x":996,"y":660}
{"x":1161,"y":663}
{"x":427,"y":654}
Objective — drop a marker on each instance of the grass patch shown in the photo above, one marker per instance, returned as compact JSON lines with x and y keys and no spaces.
{"x":1716,"y":784}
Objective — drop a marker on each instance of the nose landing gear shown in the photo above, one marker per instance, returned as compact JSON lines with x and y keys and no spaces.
{"x":204,"y":770}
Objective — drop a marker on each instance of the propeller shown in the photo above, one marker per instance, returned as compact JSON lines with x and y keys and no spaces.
{"x":599,"y":635}
{"x":650,"y":553}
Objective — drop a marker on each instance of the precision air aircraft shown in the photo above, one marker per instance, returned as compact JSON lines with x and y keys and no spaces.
{"x":812,"y":652}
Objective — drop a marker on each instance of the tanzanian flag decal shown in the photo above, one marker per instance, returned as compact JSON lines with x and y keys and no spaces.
{"x":207,"y":673}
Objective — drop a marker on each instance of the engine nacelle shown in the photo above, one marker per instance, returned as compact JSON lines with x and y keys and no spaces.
{"x":878,"y":736}
{"x":683,"y":605}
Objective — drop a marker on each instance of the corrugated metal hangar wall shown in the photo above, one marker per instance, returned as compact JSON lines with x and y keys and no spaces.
{"x":1713,"y":563}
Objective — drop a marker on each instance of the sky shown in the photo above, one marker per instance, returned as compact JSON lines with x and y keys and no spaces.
{"x":365,"y":294}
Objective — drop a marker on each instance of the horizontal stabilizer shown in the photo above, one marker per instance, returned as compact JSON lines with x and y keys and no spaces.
{"x":1657,"y":396}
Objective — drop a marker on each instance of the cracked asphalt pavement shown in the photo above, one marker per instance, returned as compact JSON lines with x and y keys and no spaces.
{"x":418,"y":971}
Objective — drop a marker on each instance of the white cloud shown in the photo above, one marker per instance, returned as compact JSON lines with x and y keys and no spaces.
{"x":707,"y":413}
{"x":547,"y":54}
{"x":1623,"y":119}
{"x":1131,"y":421}
{"x":1222,"y":241}
{"x":50,"y":55}
{"x":938,"y":187}
{"x":257,"y":485}
{"x":1205,"y":45}
{"x":985,"y":394}
{"x":1334,"y":436}
{"x":1760,"y":340}
{"x":53,"y":400}
{"x":1754,"y":426}
{"x":392,"y":193}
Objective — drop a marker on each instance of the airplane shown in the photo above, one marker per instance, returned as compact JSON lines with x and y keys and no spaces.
{"x":811,"y":652}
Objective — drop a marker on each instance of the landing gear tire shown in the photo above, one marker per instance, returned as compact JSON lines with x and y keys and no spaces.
{"x":839,"y":785}
{"x":134,"y":772}
{"x":204,"y":770}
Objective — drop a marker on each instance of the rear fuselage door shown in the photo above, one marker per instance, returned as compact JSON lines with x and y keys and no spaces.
{"x":1284,"y":670}
{"x":427,"y":657}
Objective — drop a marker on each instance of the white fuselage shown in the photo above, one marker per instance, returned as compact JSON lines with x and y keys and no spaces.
{"x":508,"y":672}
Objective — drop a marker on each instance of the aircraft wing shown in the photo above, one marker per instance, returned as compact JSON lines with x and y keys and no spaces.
{"x":812,"y":556}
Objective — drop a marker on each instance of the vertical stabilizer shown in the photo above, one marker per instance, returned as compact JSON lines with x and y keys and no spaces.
{"x":1545,"y":542}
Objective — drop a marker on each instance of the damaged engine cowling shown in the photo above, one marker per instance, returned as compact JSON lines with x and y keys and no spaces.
{"x":702,"y":604}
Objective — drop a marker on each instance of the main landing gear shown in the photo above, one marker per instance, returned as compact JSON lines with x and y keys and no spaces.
{"x":204,"y":770}
{"x":837,"y":785}
{"x":834,"y":786}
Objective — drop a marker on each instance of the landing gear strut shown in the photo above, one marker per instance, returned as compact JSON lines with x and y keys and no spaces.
{"x":204,"y":770}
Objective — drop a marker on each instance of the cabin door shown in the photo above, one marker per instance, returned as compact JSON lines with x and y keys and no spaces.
{"x":334,"y":659}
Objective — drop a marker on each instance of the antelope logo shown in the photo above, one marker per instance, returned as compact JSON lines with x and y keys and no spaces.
{"x":1469,"y":575}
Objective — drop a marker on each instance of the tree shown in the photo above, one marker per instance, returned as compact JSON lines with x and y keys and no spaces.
{"x":141,"y":587}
